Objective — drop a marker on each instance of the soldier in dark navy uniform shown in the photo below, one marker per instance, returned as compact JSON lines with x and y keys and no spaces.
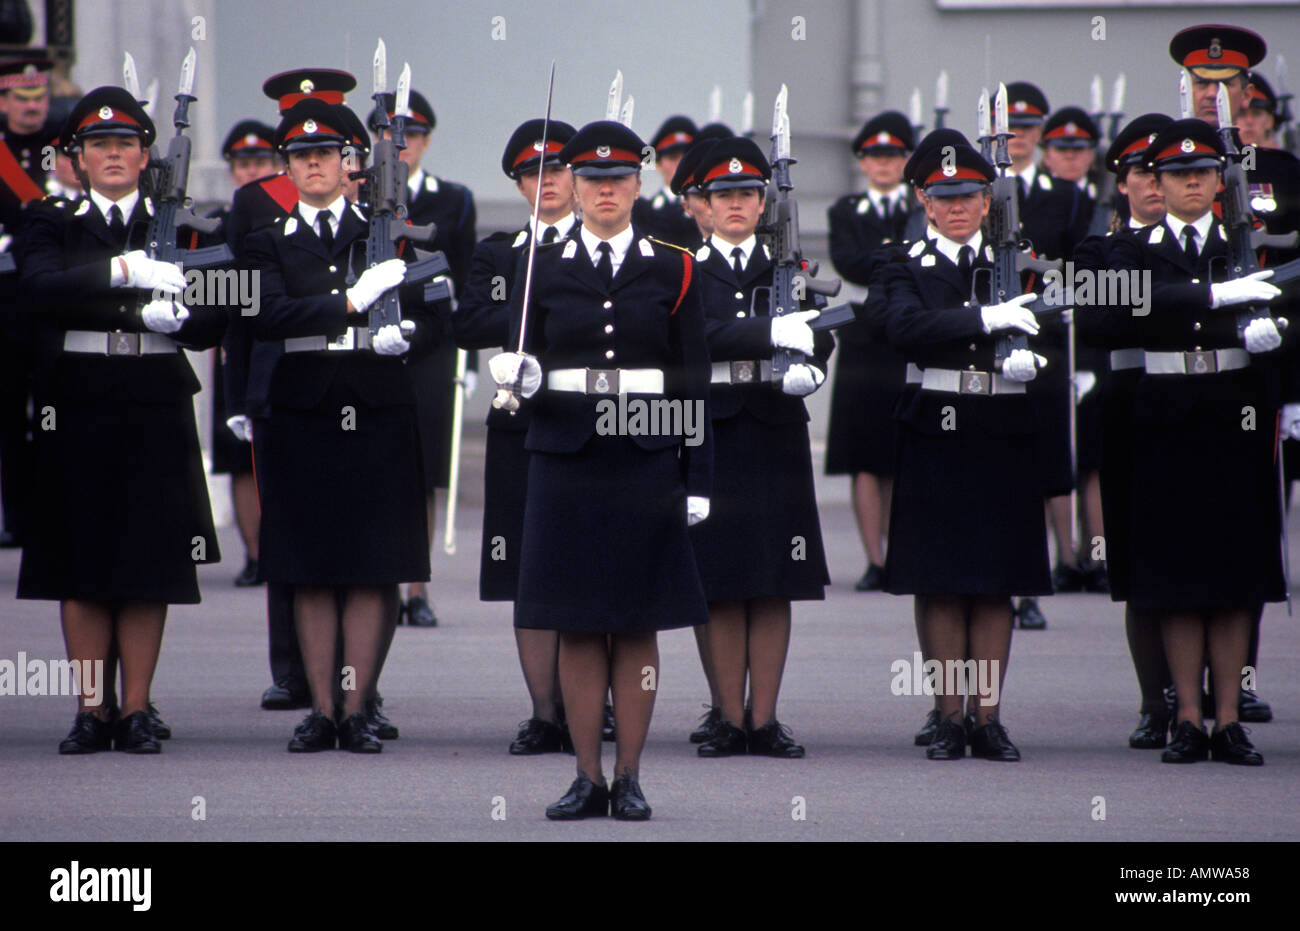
{"x":125,"y":514}
{"x":862,"y":438}
{"x":340,"y":399}
{"x":967,"y":529}
{"x":450,"y":207}
{"x":614,"y":320}
{"x":482,"y":321}
{"x":1204,"y":369}
{"x":1258,"y":122}
{"x":664,"y":215}
{"x":761,"y":547}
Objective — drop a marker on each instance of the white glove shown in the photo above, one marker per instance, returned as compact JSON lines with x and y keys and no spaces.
{"x":1022,"y":365}
{"x":1083,"y":383}
{"x":801,"y":379}
{"x":150,"y":274}
{"x":241,"y":427}
{"x":164,"y":316}
{"x":1261,"y":335}
{"x":697,"y":509}
{"x":374,"y":282}
{"x":1291,"y":420}
{"x":471,"y":383}
{"x":388,"y":341}
{"x":509,"y":368}
{"x":791,"y":331}
{"x":1010,"y":315}
{"x":1251,"y":288}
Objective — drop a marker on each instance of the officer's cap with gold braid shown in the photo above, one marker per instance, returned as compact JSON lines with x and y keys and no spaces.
{"x":1216,"y":53}
{"x":291,"y":87}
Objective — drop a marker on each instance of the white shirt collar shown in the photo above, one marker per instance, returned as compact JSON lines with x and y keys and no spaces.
{"x":724,"y":248}
{"x":1030,"y":174}
{"x":892,"y":197}
{"x":126,"y":204}
{"x":1135,"y":225}
{"x":563,"y":226}
{"x":1201,"y":225}
{"x":415,"y":181}
{"x":308,"y":213}
{"x":953,"y":249}
{"x":618,"y":243}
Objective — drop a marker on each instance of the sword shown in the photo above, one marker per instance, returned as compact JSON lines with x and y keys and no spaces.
{"x":1281,"y":506}
{"x":453,"y":482}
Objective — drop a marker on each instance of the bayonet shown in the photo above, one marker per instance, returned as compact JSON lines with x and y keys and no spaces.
{"x":625,"y":115}
{"x":914,"y":112}
{"x":940,"y":99}
{"x":747,"y":114}
{"x":380,"y":68}
{"x":715,"y":104}
{"x":1095,"y":107}
{"x":1185,"y":95}
{"x":615,"y":99}
{"x":1116,"y":106}
{"x":130,"y":80}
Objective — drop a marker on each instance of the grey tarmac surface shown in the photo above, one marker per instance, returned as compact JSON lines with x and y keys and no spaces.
{"x":457,"y":694}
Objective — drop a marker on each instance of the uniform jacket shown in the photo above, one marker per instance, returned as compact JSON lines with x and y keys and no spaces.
{"x":664,"y":218}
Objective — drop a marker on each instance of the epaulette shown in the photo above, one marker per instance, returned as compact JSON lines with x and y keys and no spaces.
{"x":670,"y":245}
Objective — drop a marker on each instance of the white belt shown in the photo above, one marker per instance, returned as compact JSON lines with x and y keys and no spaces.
{"x":969,"y":381}
{"x":117,"y":342}
{"x":913,"y":374}
{"x":741,"y":373}
{"x":1201,"y":362}
{"x":1121,"y":359}
{"x":351,"y":339}
{"x":607,"y":381}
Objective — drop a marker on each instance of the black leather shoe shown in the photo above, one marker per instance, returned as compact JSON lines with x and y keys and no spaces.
{"x":774,"y":739}
{"x":949,"y":742}
{"x":1096,"y":579}
{"x":1029,"y":616}
{"x":247,"y":577}
{"x":991,"y":742}
{"x":134,"y":735}
{"x":626,"y":803}
{"x":157,"y":724}
{"x":1228,"y":744}
{"x":726,"y":740}
{"x":1152,"y":732}
{"x":1252,"y":709}
{"x":1190,"y":744}
{"x":584,"y":799}
{"x":89,"y":734}
{"x":708,"y":722}
{"x":607,"y":732}
{"x":872,"y":580}
{"x":1066,"y":579}
{"x":285,"y":695}
{"x":383,"y":728}
{"x":419,"y":613}
{"x":355,"y":735}
{"x":538,"y":736}
{"x":925,"y":735}
{"x":316,"y":732}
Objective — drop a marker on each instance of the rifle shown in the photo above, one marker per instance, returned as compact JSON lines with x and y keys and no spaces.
{"x":386,"y":182}
{"x":793,"y":276}
{"x":173,"y":208}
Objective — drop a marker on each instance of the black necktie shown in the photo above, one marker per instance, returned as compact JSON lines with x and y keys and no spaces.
{"x":549,"y":235}
{"x":116,"y":227}
{"x":738,"y":261}
{"x":326,"y":231}
{"x":1023,"y":188}
{"x":1189,"y":244}
{"x":963,"y":262}
{"x":605,"y":264}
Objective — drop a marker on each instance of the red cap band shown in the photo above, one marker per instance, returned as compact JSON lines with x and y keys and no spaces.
{"x":115,"y":116}
{"x":1227,"y":59}
{"x":321,"y":129}
{"x":1179,"y":150}
{"x":678,"y":138}
{"x":961,"y":174}
{"x":288,"y":100}
{"x":530,"y":151}
{"x":882,"y":139}
{"x":611,"y":154}
{"x":724,"y":168}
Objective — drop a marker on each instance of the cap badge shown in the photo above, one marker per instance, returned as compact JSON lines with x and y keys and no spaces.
{"x":1020,"y":105}
{"x":29,"y":71}
{"x":1071,"y":129}
{"x":537,"y":146}
{"x":735,"y":167}
{"x":1216,"y":48}
{"x":882,"y":137}
{"x":1187,"y":145}
{"x":250,"y":139}
{"x":306,"y":86}
{"x":1151,"y":138}
{"x":105,"y":113}
{"x":602,"y":151}
{"x":309,"y":126}
{"x":949,"y":170}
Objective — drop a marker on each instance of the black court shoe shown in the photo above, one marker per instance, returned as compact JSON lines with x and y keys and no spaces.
{"x":774,"y":739}
{"x":356,"y":736}
{"x":1029,"y":616}
{"x":316,"y":732}
{"x":1152,"y":732}
{"x":626,"y":802}
{"x":383,"y":728}
{"x":925,"y":735}
{"x":419,"y":613}
{"x":1228,"y":744}
{"x":247,"y":577}
{"x":1096,"y":579}
{"x":726,"y":740}
{"x":607,"y":732}
{"x":286,"y":695}
{"x":1252,"y":709}
{"x":133,"y":734}
{"x":991,"y":742}
{"x":949,"y":742}
{"x":584,"y":799}
{"x":89,"y":734}
{"x":538,"y":736}
{"x":708,"y":721}
{"x":1190,"y":744}
{"x":873,"y":580}
{"x":159,"y":726}
{"x":1067,"y":579}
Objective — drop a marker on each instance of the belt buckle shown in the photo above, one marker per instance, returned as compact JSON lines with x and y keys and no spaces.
{"x":975,"y":383}
{"x":1201,"y":362}
{"x":122,"y":344}
{"x":344,"y":342}
{"x":742,"y":372}
{"x":602,"y":381}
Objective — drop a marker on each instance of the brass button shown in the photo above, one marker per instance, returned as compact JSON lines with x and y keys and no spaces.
{"x":1196,"y":325}
{"x":972,"y":347}
{"x":607,"y":305}
{"x":970,"y":368}
{"x":334,"y":268}
{"x":122,"y":309}
{"x":740,"y":295}
{"x":334,"y":291}
{"x":740,"y":313}
{"x":609,"y":353}
{"x":609,"y":328}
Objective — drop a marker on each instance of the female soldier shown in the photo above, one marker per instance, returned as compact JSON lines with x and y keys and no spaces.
{"x":616,"y":325}
{"x":126,"y":515}
{"x":342,"y":532}
{"x":967,"y":529}
{"x":762,"y":545}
